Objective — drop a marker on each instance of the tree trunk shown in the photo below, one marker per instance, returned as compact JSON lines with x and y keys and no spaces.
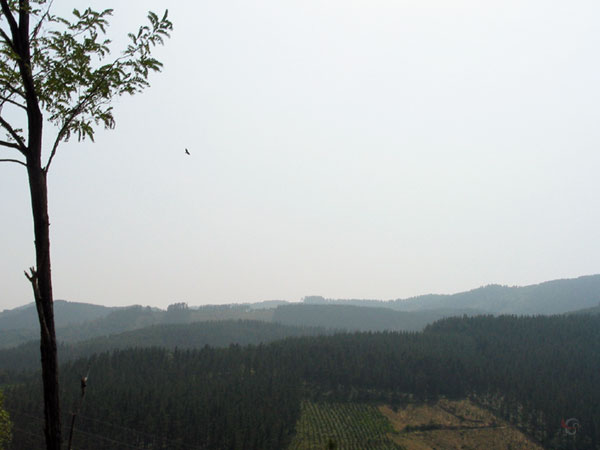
{"x":40,"y":276}
{"x":41,"y":282}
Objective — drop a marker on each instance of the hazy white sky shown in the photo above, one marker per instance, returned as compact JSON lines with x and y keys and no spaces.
{"x":364,"y":149}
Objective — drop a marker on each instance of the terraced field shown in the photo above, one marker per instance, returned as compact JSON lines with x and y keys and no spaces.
{"x":444,"y":424}
{"x":352,"y":426}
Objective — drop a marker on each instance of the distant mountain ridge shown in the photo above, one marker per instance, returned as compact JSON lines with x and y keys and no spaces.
{"x":117,"y":320}
{"x":65,"y":313}
{"x":550,"y":297}
{"x":80,"y":321}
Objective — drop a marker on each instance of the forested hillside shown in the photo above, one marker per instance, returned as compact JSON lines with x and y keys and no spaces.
{"x":357,"y":318}
{"x":183,"y":336}
{"x":533,"y":371}
{"x":79,"y":321}
{"x":550,"y":297}
{"x":119,"y":320}
{"x":67,"y":313}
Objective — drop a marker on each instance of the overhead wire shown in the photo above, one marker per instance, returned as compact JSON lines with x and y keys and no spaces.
{"x":153,"y":437}
{"x":142,"y":433}
{"x":104,"y":438}
{"x":39,"y":437}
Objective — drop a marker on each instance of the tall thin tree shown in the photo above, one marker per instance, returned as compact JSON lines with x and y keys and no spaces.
{"x":54,"y":69}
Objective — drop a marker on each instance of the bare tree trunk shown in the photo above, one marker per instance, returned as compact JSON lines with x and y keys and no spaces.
{"x":41,"y":283}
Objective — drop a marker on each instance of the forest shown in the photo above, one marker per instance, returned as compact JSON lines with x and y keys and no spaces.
{"x":532,"y":371}
{"x":77,"y":322}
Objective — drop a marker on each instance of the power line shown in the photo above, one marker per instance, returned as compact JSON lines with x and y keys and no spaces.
{"x":112,"y":441}
{"x":151,"y":437}
{"x":39,"y":437}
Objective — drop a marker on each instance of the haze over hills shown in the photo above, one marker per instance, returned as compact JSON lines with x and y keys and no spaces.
{"x":589,"y":311}
{"x":182,"y":336}
{"x":65,"y":313}
{"x":118,"y":320}
{"x":360,"y":318}
{"x":550,"y":297}
{"x":209,"y":359}
{"x":80,"y":321}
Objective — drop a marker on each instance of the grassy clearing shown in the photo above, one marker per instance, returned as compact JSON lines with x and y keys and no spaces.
{"x":352,"y":426}
{"x":443,"y":424}
{"x":449,"y":424}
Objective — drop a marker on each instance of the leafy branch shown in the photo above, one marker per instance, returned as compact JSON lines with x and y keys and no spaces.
{"x":73,"y":86}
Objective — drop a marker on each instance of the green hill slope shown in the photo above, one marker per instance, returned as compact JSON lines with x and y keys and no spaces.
{"x":551,"y":297}
{"x":358,"y":318}
{"x":170,"y":336}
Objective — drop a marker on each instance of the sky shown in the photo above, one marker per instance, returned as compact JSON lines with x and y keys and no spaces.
{"x":351,"y":149}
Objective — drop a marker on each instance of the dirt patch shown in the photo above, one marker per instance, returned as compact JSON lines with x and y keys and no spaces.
{"x":448,"y":424}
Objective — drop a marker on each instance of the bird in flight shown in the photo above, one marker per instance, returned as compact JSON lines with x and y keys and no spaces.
{"x":187,"y":152}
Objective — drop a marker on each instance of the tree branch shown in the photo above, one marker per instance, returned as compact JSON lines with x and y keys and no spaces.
{"x":14,"y":29}
{"x":61,"y":134}
{"x":131,"y":81}
{"x":74,"y":113}
{"x":33,"y":279}
{"x":10,"y":144}
{"x":7,"y":39}
{"x":12,"y":102}
{"x":12,"y":89}
{"x":38,"y":26}
{"x":14,"y":161}
{"x":21,"y":145}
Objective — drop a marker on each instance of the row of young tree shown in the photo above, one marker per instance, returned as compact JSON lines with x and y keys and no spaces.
{"x":534,"y":371}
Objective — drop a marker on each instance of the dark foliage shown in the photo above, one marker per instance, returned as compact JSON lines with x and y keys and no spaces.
{"x":533,"y":371}
{"x":356,"y":318}
{"x":182,"y":336}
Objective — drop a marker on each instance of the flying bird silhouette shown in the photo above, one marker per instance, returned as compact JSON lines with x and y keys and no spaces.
{"x":187,"y":152}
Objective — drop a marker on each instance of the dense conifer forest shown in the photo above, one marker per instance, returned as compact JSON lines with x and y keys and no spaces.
{"x":182,"y":336}
{"x":532,"y":371}
{"x":78,"y":322}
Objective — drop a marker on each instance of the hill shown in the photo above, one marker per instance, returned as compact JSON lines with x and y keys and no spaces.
{"x":359,"y":318}
{"x":551,"y":297}
{"x":79,"y":321}
{"x":118,"y":320}
{"x":592,"y":310}
{"x":170,"y":336}
{"x":529,"y":371}
{"x":66,"y":313}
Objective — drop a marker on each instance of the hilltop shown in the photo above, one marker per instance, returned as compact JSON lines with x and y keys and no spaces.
{"x":78,"y":321}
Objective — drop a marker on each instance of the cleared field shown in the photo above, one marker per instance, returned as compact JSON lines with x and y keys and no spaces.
{"x":352,"y":426}
{"x":449,"y":424}
{"x":444,"y":424}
